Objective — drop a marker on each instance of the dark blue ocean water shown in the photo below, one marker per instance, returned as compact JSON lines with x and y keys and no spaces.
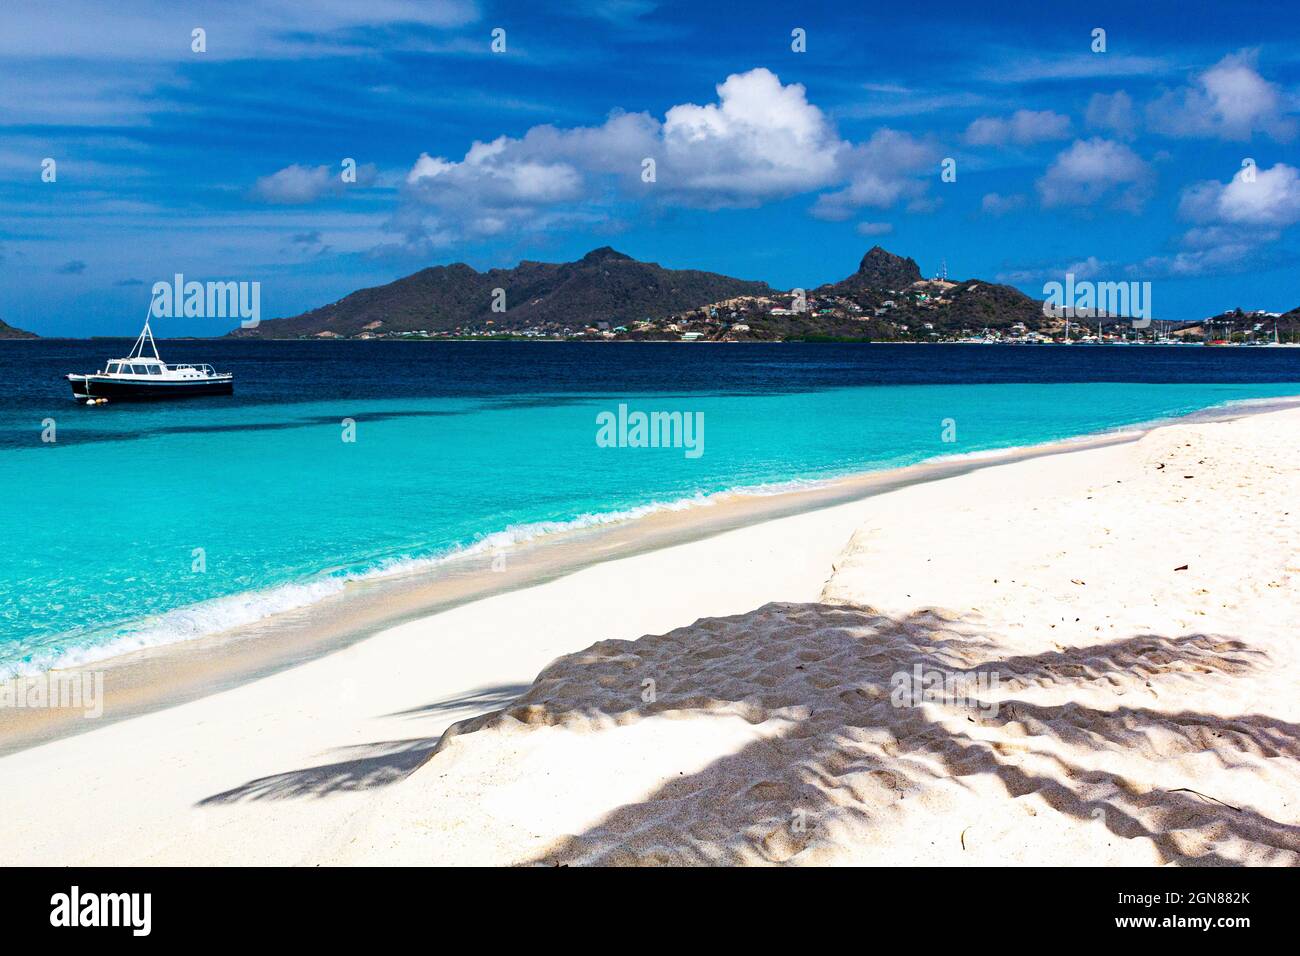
{"x":465,"y":445}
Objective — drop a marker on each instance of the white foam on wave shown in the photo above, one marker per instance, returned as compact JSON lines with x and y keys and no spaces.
{"x":518,"y":534}
{"x":182,"y":624}
{"x":250,"y":607}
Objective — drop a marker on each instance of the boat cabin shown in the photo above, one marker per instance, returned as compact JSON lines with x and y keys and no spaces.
{"x":135,"y":366}
{"x":139,"y":366}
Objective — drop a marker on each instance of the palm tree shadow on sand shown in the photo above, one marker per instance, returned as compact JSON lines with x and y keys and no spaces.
{"x":845,"y":756}
{"x":842,"y":758}
{"x":370,"y":765}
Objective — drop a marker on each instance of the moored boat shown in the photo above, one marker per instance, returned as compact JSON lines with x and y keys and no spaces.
{"x":140,"y":377}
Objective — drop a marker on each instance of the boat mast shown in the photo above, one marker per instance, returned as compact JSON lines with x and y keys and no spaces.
{"x":137,"y":350}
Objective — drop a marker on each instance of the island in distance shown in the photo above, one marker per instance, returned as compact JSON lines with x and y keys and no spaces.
{"x":9,"y":332}
{"x":609,"y":295}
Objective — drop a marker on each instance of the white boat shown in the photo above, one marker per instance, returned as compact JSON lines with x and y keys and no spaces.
{"x":139,"y":376}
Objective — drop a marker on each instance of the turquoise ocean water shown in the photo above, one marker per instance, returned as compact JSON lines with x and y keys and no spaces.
{"x":101,"y":526}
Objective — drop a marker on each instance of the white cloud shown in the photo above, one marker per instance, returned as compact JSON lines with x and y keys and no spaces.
{"x":119,"y":160}
{"x":1220,"y":259}
{"x":875,"y":228}
{"x":1088,"y":268}
{"x":1229,"y":101}
{"x":1022,"y":128}
{"x":881,"y":172}
{"x":995,"y":204}
{"x":1236,"y":221}
{"x":518,"y":183}
{"x":1114,"y":113}
{"x":1209,"y":237}
{"x":1254,"y":197}
{"x":887,"y":99}
{"x":160,"y":29}
{"x":513,"y":181}
{"x":1096,"y":171}
{"x":760,"y":140}
{"x":296,"y":185}
{"x":1012,"y":66}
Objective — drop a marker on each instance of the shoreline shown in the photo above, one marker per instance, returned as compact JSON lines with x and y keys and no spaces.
{"x":1084,"y":659}
{"x":141,"y":681}
{"x":1130,"y":677}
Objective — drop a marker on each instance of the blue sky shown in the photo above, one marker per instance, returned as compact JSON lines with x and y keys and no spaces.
{"x":769,"y":163}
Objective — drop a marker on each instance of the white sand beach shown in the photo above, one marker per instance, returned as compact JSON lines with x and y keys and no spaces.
{"x":1123,"y":620}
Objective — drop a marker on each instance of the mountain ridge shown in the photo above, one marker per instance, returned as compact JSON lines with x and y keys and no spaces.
{"x":8,"y":331}
{"x":608,"y":294}
{"x":880,"y":269}
{"x":605,"y":285}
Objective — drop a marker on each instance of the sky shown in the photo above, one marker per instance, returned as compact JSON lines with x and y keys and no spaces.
{"x":771,"y":141}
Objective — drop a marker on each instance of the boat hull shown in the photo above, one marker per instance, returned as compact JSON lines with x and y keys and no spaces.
{"x":92,"y":386}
